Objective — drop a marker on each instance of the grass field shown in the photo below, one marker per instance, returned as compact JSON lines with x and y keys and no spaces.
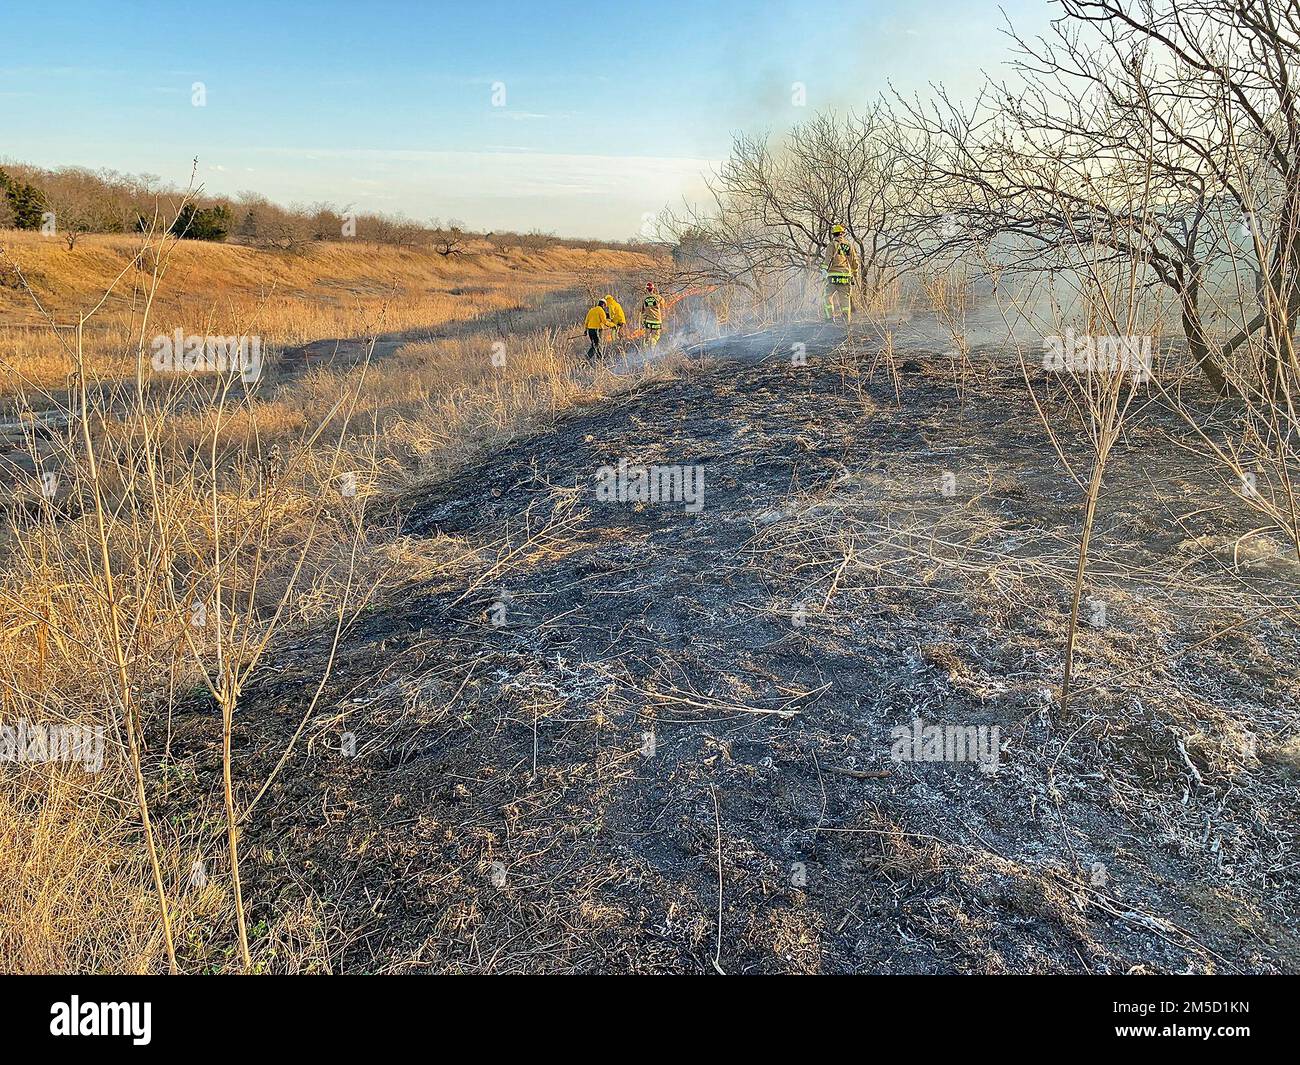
{"x":375,"y":672}
{"x":164,"y":532}
{"x":329,"y":290}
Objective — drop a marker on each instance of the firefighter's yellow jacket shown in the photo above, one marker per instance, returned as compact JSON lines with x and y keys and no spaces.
{"x":652,"y":308}
{"x":841,"y":259}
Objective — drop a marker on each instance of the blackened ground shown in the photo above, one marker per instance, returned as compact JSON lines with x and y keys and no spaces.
{"x":604,"y":713}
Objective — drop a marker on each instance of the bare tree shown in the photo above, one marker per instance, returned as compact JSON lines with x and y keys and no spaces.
{"x":80,"y":201}
{"x":397,"y":230}
{"x":448,"y":240}
{"x":773,"y":207}
{"x":1195,"y":101}
{"x":268,"y":225}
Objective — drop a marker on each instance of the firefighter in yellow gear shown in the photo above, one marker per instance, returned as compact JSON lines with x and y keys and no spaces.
{"x":652,"y":313}
{"x":616,"y":313}
{"x":617,"y":317}
{"x":841,"y":275}
{"x":597,"y":319}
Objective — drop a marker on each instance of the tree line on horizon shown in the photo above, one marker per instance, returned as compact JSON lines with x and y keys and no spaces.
{"x":71,"y":201}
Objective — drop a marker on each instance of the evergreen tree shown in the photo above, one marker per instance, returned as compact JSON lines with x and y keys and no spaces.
{"x":25,"y":201}
{"x":202,"y":223}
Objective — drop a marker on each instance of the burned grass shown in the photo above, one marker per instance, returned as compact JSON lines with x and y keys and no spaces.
{"x":624,"y":737}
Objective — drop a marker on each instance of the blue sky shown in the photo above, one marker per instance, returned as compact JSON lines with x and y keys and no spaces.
{"x":609,"y":112}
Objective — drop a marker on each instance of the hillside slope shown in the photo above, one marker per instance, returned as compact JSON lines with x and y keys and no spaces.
{"x":202,"y":270}
{"x":605,"y":714}
{"x":329,"y":290}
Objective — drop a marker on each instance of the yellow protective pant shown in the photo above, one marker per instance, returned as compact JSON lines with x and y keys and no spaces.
{"x":839,"y":298}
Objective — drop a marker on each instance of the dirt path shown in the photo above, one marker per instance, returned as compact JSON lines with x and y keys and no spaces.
{"x":605,"y":709}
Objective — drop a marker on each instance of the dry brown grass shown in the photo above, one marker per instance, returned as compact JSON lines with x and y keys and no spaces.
{"x":331,"y":290}
{"x":248,"y":511}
